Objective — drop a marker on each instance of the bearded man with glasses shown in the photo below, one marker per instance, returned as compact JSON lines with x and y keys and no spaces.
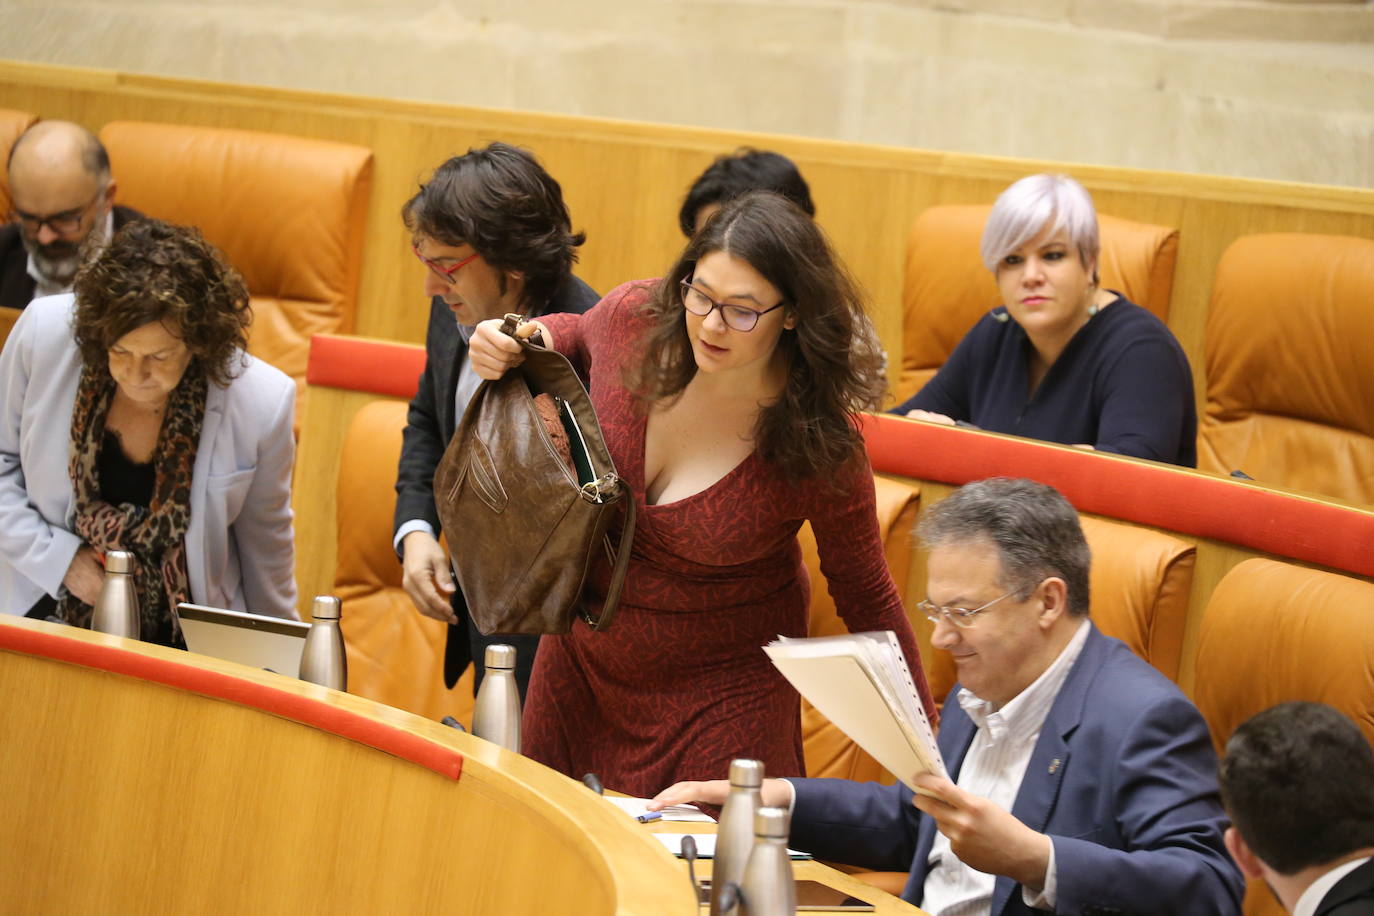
{"x":62,"y":198}
{"x":1083,"y":780}
{"x":494,"y":236}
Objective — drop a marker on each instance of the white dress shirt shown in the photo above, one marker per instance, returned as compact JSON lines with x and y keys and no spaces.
{"x":1312,"y":897}
{"x":993,"y":768}
{"x":468,"y":380}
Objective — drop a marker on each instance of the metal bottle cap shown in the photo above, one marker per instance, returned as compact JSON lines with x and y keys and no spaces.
{"x":326,"y":607}
{"x":746,"y":773}
{"x":500,"y":656}
{"x":119,"y":561}
{"x":772,"y":822}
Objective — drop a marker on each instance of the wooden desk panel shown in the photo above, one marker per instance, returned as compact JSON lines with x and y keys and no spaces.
{"x":126,"y":794}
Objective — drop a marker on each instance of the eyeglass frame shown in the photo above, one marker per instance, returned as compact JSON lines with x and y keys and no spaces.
{"x":72,"y":217}
{"x":687,"y":287}
{"x":961,"y":617}
{"x":443,"y":273}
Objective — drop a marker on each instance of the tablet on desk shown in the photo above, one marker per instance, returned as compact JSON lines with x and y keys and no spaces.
{"x":273,"y":643}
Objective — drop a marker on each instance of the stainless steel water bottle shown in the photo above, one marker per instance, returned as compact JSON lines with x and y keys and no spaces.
{"x":768,"y":888}
{"x":116,"y":608}
{"x":323,"y":659}
{"x":735,"y":833}
{"x":496,"y":714}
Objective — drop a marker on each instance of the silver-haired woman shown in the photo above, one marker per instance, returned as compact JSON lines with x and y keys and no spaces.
{"x":1063,"y":359}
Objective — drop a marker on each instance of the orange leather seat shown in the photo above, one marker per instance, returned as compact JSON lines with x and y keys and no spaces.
{"x":12,"y":124}
{"x":1290,"y":381}
{"x":288,"y":212}
{"x":395,"y":655}
{"x":1274,"y":632}
{"x":947,"y":288}
{"x":827,"y":750}
{"x":1140,"y":583}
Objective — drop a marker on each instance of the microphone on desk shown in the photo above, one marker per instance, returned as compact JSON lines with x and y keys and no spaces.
{"x":452,"y":723}
{"x":592,"y":782}
{"x":689,"y":852}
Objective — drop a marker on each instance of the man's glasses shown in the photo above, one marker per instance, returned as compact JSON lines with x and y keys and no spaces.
{"x":736,"y":317}
{"x":64,"y":223}
{"x":961,"y":617}
{"x":443,"y":273}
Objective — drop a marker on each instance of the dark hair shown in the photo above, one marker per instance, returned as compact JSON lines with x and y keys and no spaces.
{"x":834,"y":364}
{"x":1036,"y":532}
{"x":156,"y":271}
{"x":1298,"y":782}
{"x":500,"y":201}
{"x":742,"y":171}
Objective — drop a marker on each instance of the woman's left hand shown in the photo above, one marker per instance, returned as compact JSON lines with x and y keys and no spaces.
{"x":84,"y":576}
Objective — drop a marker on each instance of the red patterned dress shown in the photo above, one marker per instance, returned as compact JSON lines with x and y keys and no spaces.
{"x":679,"y":685}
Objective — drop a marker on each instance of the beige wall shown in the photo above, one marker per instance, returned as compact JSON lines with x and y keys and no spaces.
{"x":1260,"y":89}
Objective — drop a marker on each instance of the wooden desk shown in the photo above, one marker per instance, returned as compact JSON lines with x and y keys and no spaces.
{"x":141,"y":779}
{"x":804,"y":869}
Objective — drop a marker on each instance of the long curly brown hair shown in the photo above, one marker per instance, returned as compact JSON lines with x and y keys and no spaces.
{"x":834,"y":363}
{"x":156,"y":271}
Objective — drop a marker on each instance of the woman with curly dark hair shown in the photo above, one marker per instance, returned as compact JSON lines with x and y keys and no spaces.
{"x":727,"y":392}
{"x":133,"y":420}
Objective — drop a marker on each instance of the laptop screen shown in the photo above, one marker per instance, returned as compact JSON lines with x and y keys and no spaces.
{"x":273,"y":643}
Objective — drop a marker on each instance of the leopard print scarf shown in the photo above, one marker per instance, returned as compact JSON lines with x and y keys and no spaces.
{"x":155,"y":535}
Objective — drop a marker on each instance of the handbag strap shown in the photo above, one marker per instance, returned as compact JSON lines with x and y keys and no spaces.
{"x":622,"y":565}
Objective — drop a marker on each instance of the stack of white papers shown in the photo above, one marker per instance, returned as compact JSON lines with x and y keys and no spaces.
{"x":706,"y":845}
{"x":860,"y":682}
{"x":634,"y":807}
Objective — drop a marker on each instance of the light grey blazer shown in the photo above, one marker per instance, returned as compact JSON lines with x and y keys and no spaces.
{"x":239,"y":546}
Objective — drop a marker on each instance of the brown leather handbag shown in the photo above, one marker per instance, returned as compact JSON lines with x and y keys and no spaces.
{"x":525,"y":514}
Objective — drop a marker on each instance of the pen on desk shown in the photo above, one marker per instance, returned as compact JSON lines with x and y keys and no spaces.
{"x":648,"y":816}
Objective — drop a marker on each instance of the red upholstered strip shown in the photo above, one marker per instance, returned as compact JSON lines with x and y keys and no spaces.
{"x":358,"y":364}
{"x":318,"y":714}
{"x":1177,"y":499}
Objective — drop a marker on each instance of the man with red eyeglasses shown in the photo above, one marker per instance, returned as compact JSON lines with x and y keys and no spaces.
{"x":62,"y":195}
{"x":494,"y":235}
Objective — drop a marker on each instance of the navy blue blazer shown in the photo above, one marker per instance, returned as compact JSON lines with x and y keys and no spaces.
{"x":1352,"y":895}
{"x":1122,"y":779}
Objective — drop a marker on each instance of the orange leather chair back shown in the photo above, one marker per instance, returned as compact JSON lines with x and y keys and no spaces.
{"x":1274,"y":632}
{"x":288,"y":212}
{"x":827,"y":750}
{"x":395,"y":655}
{"x":1140,"y":582}
{"x":947,"y":288}
{"x":1290,"y":379}
{"x":12,"y":124}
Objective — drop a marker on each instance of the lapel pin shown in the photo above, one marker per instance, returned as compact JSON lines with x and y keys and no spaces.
{"x":1054,"y":765}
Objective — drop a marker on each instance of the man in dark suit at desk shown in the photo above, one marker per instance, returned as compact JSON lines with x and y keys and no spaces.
{"x":1082,"y":780}
{"x":63,"y":197}
{"x":492,"y":230}
{"x":1298,"y":782}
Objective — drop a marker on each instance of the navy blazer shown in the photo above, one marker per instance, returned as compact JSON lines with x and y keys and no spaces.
{"x":1122,"y":779}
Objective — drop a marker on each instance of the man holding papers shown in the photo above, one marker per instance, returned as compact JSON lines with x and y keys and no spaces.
{"x":1083,"y":780}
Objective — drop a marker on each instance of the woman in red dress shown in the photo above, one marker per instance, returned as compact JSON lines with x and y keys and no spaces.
{"x":727,"y":393}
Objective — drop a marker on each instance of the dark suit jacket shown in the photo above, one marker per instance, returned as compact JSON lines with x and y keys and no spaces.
{"x":16,"y":286}
{"x":431,"y":421}
{"x":1353,"y":895}
{"x":1122,"y":779}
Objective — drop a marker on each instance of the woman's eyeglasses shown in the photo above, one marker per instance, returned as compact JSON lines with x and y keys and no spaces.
{"x":736,"y":317}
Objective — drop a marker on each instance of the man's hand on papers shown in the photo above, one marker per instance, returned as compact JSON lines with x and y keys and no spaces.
{"x":774,"y":792}
{"x":984,"y":836}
